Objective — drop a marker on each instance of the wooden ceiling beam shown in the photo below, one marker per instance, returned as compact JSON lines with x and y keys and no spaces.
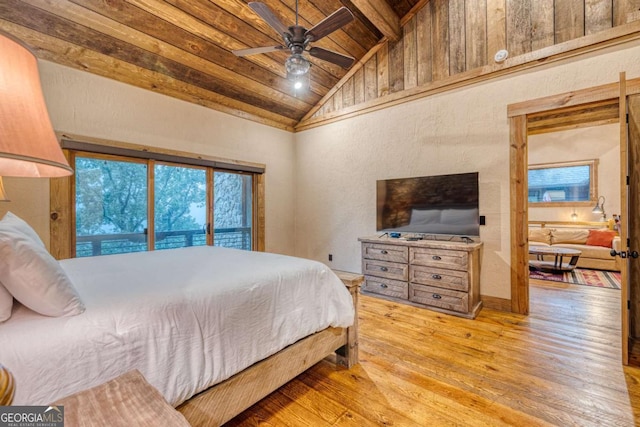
{"x":365,"y":36}
{"x":382,"y":16}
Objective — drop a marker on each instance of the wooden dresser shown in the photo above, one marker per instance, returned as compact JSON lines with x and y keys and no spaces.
{"x":441,"y":276}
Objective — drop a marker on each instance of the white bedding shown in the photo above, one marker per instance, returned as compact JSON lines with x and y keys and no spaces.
{"x":186,"y":318}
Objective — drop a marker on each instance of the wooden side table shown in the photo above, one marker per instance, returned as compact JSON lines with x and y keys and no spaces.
{"x":128,"y":400}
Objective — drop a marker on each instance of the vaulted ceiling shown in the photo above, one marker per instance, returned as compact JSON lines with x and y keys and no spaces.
{"x":183,"y":48}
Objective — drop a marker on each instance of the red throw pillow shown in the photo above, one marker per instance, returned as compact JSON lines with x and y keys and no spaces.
{"x":601,"y":238}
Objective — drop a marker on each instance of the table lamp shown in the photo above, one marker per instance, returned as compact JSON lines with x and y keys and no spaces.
{"x":28,"y":144}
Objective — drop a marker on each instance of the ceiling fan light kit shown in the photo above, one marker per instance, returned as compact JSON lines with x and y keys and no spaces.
{"x":297,"y":39}
{"x":297,"y":65}
{"x":300,"y":82}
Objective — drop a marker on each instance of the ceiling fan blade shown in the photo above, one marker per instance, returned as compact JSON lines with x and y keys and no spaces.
{"x":335,"y":57}
{"x":265,"y":13}
{"x":331,"y":23}
{"x":256,"y":50}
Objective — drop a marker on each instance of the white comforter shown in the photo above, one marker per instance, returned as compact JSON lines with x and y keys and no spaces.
{"x":186,"y":318}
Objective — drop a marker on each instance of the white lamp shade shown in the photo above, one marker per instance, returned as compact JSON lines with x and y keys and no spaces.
{"x":28,"y":145}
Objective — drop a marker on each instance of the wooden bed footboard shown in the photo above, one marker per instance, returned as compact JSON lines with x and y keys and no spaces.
{"x":222,"y":402}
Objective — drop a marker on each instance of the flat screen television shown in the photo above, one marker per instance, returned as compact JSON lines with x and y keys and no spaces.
{"x":429,"y":205}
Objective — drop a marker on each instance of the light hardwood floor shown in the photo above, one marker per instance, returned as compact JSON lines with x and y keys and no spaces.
{"x":558,"y":366}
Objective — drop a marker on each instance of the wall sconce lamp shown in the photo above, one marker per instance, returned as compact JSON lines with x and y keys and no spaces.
{"x":599,"y":209}
{"x":28,"y":145}
{"x":574,"y":216}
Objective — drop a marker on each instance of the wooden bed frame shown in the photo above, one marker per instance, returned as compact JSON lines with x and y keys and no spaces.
{"x":222,"y":402}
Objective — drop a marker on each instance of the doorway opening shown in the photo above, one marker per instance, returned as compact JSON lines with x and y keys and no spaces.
{"x":570,"y":172}
{"x":546,"y":117}
{"x":599,"y":105}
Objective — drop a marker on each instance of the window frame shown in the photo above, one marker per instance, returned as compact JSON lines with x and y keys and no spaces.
{"x":593,"y":183}
{"x":63,"y":191}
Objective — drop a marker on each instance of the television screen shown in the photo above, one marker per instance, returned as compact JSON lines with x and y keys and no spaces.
{"x":442,"y":204}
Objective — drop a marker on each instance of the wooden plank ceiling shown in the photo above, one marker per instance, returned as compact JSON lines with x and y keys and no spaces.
{"x":183,"y":48}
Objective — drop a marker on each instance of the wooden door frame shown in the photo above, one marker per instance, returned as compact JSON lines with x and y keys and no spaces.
{"x":519,"y":116}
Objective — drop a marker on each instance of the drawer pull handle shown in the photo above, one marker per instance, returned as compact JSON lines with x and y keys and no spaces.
{"x":436,"y":296}
{"x":384,"y":252}
{"x":384,"y":269}
{"x":436,"y":257}
{"x":436,"y":276}
{"x":383,"y":286}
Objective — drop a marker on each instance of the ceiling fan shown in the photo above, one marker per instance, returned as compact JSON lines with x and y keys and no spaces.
{"x":297,"y":39}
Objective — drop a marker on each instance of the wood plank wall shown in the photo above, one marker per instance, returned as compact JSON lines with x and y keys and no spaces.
{"x":447,"y":37}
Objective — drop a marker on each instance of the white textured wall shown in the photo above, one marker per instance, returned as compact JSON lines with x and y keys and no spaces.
{"x":598,"y":142}
{"x":463,"y":130}
{"x":85,"y":104}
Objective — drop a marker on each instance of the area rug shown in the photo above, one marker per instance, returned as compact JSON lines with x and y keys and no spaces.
{"x":580,"y":276}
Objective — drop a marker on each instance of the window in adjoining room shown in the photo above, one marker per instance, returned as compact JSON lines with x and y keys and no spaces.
{"x":563,"y":184}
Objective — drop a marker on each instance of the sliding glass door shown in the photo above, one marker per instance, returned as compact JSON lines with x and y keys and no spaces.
{"x":130,"y":205}
{"x":180,"y":206}
{"x":111,"y":206}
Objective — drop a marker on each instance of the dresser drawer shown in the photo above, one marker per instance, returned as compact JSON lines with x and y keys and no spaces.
{"x":389,"y":270}
{"x":439,"y":297}
{"x":440,"y":277}
{"x":442,"y":258}
{"x":392,"y":288}
{"x":382,"y":252}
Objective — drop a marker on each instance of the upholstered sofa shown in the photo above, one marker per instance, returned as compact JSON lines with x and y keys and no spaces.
{"x":591,"y":242}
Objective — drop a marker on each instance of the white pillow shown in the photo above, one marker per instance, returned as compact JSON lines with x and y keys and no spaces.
{"x":6,"y":303}
{"x":14,"y":222}
{"x":34,"y":277}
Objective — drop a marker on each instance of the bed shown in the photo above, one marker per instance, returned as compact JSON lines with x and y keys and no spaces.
{"x":213,"y":329}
